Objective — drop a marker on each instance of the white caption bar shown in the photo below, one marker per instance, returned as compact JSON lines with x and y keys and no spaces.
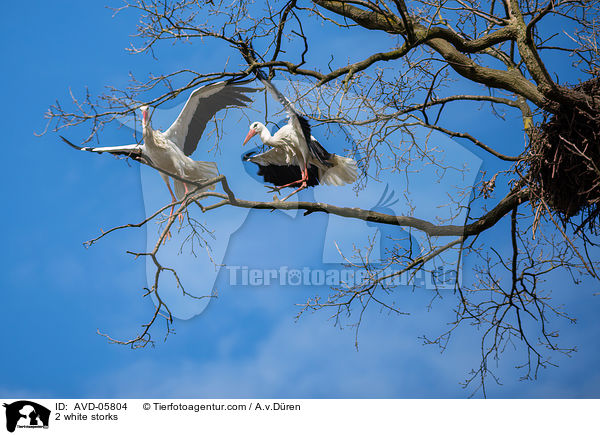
{"x":264,"y":416}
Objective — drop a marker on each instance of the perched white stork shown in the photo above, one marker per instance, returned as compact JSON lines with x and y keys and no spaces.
{"x":169,"y":150}
{"x":295,"y":157}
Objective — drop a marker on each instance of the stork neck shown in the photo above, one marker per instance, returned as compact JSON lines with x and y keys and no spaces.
{"x":265,"y":136}
{"x":148,"y":135}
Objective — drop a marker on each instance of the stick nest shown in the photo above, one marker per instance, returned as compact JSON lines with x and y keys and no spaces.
{"x":564,"y":160}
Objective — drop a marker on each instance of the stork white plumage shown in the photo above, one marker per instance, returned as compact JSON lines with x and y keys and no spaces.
{"x":296,"y":157}
{"x":169,"y":151}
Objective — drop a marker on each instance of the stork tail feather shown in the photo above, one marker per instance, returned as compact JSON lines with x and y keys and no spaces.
{"x":343,"y":171}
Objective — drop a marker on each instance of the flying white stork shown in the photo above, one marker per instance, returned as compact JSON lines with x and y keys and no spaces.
{"x":169,"y":150}
{"x":295,"y":156}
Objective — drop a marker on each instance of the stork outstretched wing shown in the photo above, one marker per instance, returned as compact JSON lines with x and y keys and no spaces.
{"x":134,"y":150}
{"x":201,"y":107}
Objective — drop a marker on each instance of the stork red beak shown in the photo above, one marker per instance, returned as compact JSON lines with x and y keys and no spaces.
{"x":145,"y":117}
{"x":249,"y":136}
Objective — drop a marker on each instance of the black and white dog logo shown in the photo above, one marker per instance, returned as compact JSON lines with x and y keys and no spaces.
{"x":26,"y":414}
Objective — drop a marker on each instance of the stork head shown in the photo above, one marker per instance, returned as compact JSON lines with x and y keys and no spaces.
{"x":145,"y":115}
{"x":255,"y":128}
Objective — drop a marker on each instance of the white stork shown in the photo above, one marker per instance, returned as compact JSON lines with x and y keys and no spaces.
{"x":169,"y":150}
{"x":295,"y":156}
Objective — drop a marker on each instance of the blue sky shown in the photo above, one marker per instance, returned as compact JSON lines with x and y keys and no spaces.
{"x":246,"y":343}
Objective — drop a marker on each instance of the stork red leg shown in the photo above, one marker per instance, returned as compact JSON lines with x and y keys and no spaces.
{"x":186,"y":193}
{"x":173,"y":201}
{"x":303,"y":180}
{"x":288,"y":185}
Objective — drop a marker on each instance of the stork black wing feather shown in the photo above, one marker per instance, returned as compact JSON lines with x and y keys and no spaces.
{"x":305,"y":128}
{"x":280,"y":175}
{"x":230,"y":96}
{"x":317,"y":150}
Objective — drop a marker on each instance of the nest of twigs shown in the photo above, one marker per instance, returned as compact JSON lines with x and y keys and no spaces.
{"x":564,"y":160}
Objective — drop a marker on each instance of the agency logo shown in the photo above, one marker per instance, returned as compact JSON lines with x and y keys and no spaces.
{"x":26,"y":414}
